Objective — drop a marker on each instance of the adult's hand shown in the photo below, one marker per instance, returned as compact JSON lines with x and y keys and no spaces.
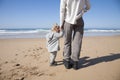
{"x":62,"y":26}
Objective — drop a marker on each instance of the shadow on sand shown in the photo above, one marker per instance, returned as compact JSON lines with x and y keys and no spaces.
{"x":87,"y":61}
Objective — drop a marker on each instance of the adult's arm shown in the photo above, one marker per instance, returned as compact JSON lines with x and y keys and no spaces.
{"x":62,"y":12}
{"x":85,"y":9}
{"x":87,"y":5}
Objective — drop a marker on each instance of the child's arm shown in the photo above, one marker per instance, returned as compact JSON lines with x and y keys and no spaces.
{"x":49,"y":36}
{"x":59,"y":35}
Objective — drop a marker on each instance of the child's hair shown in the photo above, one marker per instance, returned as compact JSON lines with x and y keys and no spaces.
{"x":55,"y":26}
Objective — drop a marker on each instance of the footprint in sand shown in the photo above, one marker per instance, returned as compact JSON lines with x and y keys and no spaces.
{"x":34,"y":50}
{"x":22,"y":78}
{"x":0,"y":73}
{"x":16,"y":54}
{"x":40,"y":48}
{"x":41,"y":74}
{"x":25,"y":55}
{"x":17,"y":65}
{"x":6,"y":62}
{"x":52,"y":74}
{"x":29,"y":50}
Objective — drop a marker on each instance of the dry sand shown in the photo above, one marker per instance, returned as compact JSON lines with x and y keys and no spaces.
{"x":28,"y":59}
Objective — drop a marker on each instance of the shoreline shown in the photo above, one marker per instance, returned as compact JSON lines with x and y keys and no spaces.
{"x":63,"y":37}
{"x":41,"y":32}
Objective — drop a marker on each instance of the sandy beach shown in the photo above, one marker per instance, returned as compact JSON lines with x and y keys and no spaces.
{"x":28,"y":59}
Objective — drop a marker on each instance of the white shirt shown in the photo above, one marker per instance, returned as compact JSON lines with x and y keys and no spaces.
{"x":71,"y":10}
{"x":53,"y":41}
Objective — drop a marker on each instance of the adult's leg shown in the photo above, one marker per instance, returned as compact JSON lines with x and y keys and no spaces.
{"x":77,"y":39}
{"x":67,"y":41}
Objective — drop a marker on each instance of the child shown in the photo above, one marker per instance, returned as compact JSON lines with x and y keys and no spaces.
{"x":53,"y":43}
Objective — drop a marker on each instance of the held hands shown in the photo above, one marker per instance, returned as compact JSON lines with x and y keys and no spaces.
{"x":62,"y":26}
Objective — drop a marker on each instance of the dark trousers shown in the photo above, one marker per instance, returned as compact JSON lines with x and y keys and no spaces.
{"x":73,"y":35}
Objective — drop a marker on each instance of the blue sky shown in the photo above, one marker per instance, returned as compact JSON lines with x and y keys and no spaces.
{"x":44,"y":13}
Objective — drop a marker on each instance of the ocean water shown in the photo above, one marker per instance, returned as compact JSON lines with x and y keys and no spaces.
{"x":41,"y":32}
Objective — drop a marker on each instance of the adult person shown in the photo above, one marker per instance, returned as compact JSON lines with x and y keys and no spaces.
{"x":71,"y":12}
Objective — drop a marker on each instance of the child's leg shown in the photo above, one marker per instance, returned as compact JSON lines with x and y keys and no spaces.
{"x":52,"y":57}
